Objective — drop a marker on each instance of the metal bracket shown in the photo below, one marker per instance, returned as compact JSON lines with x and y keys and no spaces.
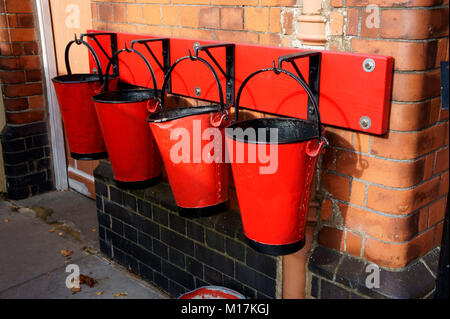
{"x":230,"y":67}
{"x":165,"y":65}
{"x":113,"y":41}
{"x":315,"y":59}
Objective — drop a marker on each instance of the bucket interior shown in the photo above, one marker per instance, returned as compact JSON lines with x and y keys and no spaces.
{"x":289,"y":131}
{"x":76,"y":78}
{"x":125,"y":96}
{"x":180,"y":112}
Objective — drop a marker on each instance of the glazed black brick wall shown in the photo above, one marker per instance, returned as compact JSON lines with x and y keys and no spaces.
{"x":140,"y":230}
{"x":26,"y":157}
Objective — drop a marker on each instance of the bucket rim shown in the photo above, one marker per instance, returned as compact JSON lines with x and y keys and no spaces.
{"x":90,"y":77}
{"x":147,"y":94}
{"x":197,"y":110}
{"x":311,"y":125}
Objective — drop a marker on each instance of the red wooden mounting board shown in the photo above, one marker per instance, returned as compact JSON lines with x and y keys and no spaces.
{"x":347,"y":92}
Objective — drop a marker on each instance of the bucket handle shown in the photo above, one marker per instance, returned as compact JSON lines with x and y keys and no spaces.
{"x":94,"y":55}
{"x":129,"y":50}
{"x":223,"y":110}
{"x":322,"y":140}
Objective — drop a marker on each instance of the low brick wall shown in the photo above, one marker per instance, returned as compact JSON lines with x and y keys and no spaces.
{"x":141,"y":230}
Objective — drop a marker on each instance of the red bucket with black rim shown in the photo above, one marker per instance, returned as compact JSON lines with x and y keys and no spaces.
{"x":132,"y":150}
{"x":191,"y":143}
{"x":273,"y":162}
{"x":74,"y":93}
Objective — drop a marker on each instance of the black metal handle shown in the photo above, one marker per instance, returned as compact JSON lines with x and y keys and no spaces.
{"x":295,"y":77}
{"x":94,"y":55}
{"x":193,"y":58}
{"x":113,"y":42}
{"x":116,"y":54}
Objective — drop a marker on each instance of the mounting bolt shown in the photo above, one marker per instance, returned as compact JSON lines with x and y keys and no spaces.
{"x":369,"y":65}
{"x":94,"y":70}
{"x":365,"y":122}
{"x":197,"y":91}
{"x":311,"y":110}
{"x":196,"y":45}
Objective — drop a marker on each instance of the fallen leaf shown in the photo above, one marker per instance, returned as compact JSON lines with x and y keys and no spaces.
{"x":75,"y":290}
{"x":117,"y":295}
{"x":94,"y":229}
{"x":99,"y":293}
{"x":51,"y":230}
{"x":60,"y":233}
{"x":6,"y":220}
{"x":66,"y":252}
{"x":87,"y":280}
{"x":121,"y":294}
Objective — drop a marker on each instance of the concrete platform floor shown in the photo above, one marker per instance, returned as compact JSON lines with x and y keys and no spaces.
{"x":34,"y":231}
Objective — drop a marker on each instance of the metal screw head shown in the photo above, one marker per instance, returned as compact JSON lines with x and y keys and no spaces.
{"x":94,"y":70}
{"x":365,"y":122}
{"x":197,"y":91}
{"x":196,"y":45}
{"x":369,"y":65}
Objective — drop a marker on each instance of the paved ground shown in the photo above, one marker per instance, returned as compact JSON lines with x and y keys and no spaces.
{"x":33,"y":232}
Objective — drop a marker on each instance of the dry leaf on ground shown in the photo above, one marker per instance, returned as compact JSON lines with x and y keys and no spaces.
{"x":66,"y":253}
{"x":87,"y":280}
{"x":121,"y":294}
{"x":75,"y":290}
{"x":6,"y":220}
{"x":99,"y":293}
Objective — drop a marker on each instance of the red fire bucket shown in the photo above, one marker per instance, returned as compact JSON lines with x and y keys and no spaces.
{"x":74,"y":93}
{"x":132,"y":150}
{"x":273,"y":190}
{"x":199,"y":178}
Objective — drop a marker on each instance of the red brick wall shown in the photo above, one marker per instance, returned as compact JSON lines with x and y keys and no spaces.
{"x":382,"y":197}
{"x":20,"y":63}
{"x":386,"y":194}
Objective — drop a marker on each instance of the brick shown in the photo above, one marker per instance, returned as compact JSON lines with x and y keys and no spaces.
{"x":370,"y":23}
{"x":212,"y":276}
{"x":353,"y":244}
{"x":177,"y":258}
{"x":189,"y":16}
{"x":30,"y":48}
{"x":402,"y":201}
{"x":413,"y":116}
{"x":393,"y":3}
{"x":255,"y":280}
{"x":120,"y":13}
{"x":160,"y":249}
{"x":257,"y":19}
{"x":105,"y":12}
{"x":414,"y":24}
{"x":379,"y":171}
{"x":177,"y":223}
{"x":275,"y":20}
{"x":442,"y":52}
{"x":332,"y":237}
{"x":160,"y":216}
{"x":235,"y":2}
{"x":7,"y":63}
{"x":209,"y":17}
{"x":262,"y":263}
{"x":213,"y":259}
{"x":236,"y":37}
{"x":12,"y":77}
{"x":177,"y":241}
{"x":36,"y":101}
{"x":415,"y":86}
{"x":268,"y":39}
{"x":339,"y":137}
{"x":288,"y":22}
{"x":391,"y":229}
{"x":278,"y":3}
{"x":152,"y":14}
{"x":30,"y":62}
{"x":336,"y":23}
{"x":16,"y":104}
{"x":399,"y":254}
{"x":22,"y":6}
{"x":33,"y":75}
{"x":337,"y":186}
{"x":192,"y":33}
{"x":409,"y":56}
{"x":20,"y":90}
{"x":135,"y":13}
{"x":331,"y":291}
{"x":232,"y":18}
{"x":436,"y":211}
{"x":438,"y":231}
{"x":215,"y":240}
{"x":357,"y":193}
{"x":25,"y":21}
{"x":194,"y":267}
{"x":170,"y":15}
{"x":10,"y":49}
{"x":408,"y":146}
{"x":352,"y":21}
{"x":442,"y":160}
{"x":429,"y":163}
